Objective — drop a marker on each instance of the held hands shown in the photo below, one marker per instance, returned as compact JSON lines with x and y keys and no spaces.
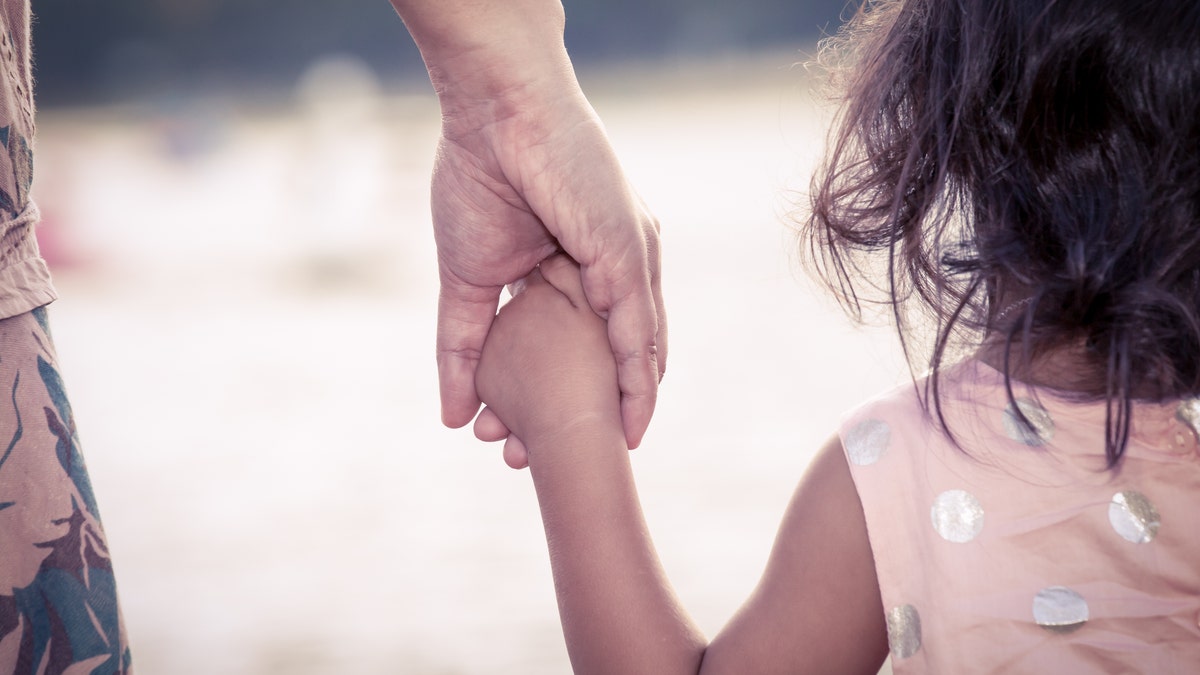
{"x":507,"y":194}
{"x":547,"y":366}
{"x":523,"y":170}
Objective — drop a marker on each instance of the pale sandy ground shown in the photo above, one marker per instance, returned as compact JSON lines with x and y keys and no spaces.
{"x":248,"y":344}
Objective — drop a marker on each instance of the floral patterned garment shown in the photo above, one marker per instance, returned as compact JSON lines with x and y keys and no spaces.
{"x":24,"y":278}
{"x":58,"y":602}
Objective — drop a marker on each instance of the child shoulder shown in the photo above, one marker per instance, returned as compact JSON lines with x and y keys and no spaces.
{"x":817,"y":607}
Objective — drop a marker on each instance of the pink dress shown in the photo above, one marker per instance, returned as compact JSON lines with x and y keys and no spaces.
{"x":1018,"y":551}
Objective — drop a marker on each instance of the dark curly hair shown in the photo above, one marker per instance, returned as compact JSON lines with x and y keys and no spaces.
{"x":1024,"y":173}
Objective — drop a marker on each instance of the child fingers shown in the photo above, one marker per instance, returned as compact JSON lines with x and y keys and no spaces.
{"x":564,"y":274}
{"x":488,"y":427}
{"x":520,"y":285}
{"x":516,"y":456}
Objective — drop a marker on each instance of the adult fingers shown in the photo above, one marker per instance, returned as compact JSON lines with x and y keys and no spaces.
{"x":632,"y":332}
{"x":634,"y":329}
{"x":661,"y":343}
{"x":654,"y":267}
{"x":627,"y":285}
{"x":465,"y":313}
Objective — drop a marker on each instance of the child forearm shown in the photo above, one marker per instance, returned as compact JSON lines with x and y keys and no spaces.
{"x":618,"y":611}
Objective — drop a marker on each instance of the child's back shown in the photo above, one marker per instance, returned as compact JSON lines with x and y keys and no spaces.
{"x":1020,"y":551}
{"x":1030,"y":172}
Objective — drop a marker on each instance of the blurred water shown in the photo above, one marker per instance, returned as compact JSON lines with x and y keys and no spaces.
{"x":247,"y":328}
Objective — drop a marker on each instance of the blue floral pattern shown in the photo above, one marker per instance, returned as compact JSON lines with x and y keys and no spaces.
{"x":58,"y":600}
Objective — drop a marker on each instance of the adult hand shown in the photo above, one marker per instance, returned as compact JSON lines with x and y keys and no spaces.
{"x":498,"y":214}
{"x":523,"y":169}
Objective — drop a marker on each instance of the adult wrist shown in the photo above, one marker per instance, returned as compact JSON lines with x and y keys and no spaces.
{"x":495,"y":90}
{"x":490,"y":53}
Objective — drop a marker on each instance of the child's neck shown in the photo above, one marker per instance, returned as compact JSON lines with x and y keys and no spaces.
{"x":1070,"y":368}
{"x":1067,"y":368}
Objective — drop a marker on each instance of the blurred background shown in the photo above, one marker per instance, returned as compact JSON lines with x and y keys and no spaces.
{"x":236,"y":212}
{"x":92,"y":51}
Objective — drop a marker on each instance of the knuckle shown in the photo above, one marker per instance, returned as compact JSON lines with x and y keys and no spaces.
{"x":653,"y":227}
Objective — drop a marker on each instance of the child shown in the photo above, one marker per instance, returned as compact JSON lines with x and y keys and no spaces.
{"x":1026,"y":174}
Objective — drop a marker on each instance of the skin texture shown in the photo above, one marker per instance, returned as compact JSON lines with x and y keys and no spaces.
{"x":547,"y":373}
{"x":523,"y":170}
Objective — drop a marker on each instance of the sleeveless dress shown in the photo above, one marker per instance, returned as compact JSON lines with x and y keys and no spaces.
{"x":1017,"y":550}
{"x":58,"y":602}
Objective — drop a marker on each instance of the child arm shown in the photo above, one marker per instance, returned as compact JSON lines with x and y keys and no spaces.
{"x":817,"y":607}
{"x":547,"y":372}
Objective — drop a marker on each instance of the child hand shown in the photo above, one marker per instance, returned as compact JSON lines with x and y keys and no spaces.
{"x":547,"y":366}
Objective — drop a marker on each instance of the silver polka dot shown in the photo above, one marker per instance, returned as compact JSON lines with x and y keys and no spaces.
{"x":1059,"y":609}
{"x":1040,"y":427}
{"x":957,"y":516}
{"x":1188,"y":412}
{"x":904,"y":631}
{"x":1133,"y":517}
{"x":866,"y":442}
